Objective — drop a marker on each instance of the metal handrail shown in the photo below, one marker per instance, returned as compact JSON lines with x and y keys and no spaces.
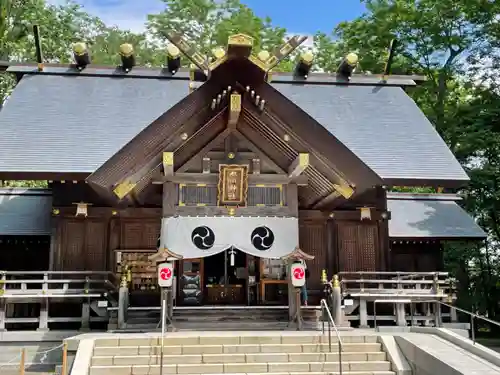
{"x":331,"y":323}
{"x":471,"y":314}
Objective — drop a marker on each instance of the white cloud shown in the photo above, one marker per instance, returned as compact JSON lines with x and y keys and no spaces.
{"x":126,"y":14}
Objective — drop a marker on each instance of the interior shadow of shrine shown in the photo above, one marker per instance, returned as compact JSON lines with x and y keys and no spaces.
{"x":230,"y":170}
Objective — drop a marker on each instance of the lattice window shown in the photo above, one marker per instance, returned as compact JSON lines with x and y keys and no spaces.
{"x":196,"y":195}
{"x":265,"y":196}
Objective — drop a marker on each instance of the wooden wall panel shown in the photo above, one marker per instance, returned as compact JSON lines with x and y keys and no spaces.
{"x":357,"y":246}
{"x":95,"y":245}
{"x":312,"y":240}
{"x":82,"y":245}
{"x":139,"y":234}
{"x":416,"y":257}
{"x":131,"y":235}
{"x":71,"y":251}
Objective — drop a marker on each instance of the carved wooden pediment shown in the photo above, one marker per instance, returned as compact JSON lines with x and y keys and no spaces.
{"x":162,"y":255}
{"x":298,"y":254}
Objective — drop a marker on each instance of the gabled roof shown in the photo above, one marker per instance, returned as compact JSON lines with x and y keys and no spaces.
{"x":383,"y":126}
{"x":74,"y":124}
{"x":68,"y":123}
{"x":25,"y":212}
{"x":430,"y":216}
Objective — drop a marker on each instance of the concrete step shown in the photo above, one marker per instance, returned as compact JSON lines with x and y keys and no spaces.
{"x":235,"y":358}
{"x":247,"y":368}
{"x":242,"y":348}
{"x":177,"y":338}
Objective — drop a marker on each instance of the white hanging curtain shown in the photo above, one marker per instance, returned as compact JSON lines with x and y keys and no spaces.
{"x":199,"y":237}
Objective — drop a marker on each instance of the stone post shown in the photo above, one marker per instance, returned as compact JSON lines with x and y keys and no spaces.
{"x":437,"y":305}
{"x":43,"y":324}
{"x":400,"y":315}
{"x":337,"y":301}
{"x":122,"y":303}
{"x":3,"y":304}
{"x":363,"y":314}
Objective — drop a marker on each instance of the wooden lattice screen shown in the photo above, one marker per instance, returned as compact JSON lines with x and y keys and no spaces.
{"x":357,"y":246}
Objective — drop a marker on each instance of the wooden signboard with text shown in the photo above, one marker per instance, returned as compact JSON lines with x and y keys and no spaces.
{"x":233,"y":185}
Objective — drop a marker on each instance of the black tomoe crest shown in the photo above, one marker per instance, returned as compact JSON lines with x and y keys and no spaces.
{"x":203,"y":237}
{"x":262,"y":238}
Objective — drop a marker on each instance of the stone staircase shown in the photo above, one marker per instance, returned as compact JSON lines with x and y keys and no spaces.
{"x":290,"y":353}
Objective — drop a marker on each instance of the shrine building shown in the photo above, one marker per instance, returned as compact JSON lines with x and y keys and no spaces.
{"x":229,"y":167}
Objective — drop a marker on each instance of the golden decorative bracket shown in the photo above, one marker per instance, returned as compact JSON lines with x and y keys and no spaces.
{"x":123,"y":189}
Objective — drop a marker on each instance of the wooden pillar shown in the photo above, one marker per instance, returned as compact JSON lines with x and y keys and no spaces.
{"x":113,"y":242}
{"x":331,"y":246}
{"x":85,"y":316}
{"x":383,"y":259}
{"x":169,"y":199}
{"x":54,"y":240}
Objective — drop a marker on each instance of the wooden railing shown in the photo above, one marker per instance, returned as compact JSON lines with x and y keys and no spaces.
{"x":375,"y":285}
{"x":45,"y":287}
{"x":398,"y":289}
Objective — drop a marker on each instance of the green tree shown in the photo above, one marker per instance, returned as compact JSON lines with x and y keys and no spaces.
{"x":449,"y":42}
{"x":60,"y":27}
{"x":434,"y":38}
{"x":209,"y":23}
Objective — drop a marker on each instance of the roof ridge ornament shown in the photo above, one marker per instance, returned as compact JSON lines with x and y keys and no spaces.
{"x":188,"y":50}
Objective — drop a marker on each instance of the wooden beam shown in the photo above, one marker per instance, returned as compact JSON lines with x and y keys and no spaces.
{"x":168,"y":163}
{"x":221,"y":155}
{"x":214,"y":142}
{"x":345,"y":190}
{"x":281,"y":211}
{"x":326,"y":200}
{"x":275,"y":167}
{"x":299,"y":165}
{"x":102,"y":212}
{"x":313,"y":215}
{"x":234,"y":111}
{"x":213,"y":178}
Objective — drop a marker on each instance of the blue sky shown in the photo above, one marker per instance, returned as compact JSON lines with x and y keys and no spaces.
{"x":296,"y":16}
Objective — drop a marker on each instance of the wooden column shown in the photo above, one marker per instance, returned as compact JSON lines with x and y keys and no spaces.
{"x":169,"y":199}
{"x":331,"y":255}
{"x":113,"y":242}
{"x":54,"y":241}
{"x":383,"y":260}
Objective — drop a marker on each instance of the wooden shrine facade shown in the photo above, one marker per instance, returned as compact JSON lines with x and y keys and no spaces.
{"x":239,"y":143}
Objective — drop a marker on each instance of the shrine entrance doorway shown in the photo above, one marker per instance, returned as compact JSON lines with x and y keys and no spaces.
{"x":232,"y":278}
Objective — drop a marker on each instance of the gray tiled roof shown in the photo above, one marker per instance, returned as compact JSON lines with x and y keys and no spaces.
{"x":55,"y":123}
{"x":25,"y":212}
{"x":74,"y":124}
{"x":429,"y":216}
{"x":383,"y":126}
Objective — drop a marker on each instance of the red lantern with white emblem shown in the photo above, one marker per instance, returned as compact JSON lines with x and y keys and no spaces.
{"x":165,"y":275}
{"x":298,"y":275}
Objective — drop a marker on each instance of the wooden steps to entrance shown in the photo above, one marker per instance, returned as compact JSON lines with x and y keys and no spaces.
{"x":278,"y":354}
{"x":223,"y":318}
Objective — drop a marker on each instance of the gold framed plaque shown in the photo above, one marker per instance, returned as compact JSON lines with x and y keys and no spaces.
{"x":233,"y":185}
